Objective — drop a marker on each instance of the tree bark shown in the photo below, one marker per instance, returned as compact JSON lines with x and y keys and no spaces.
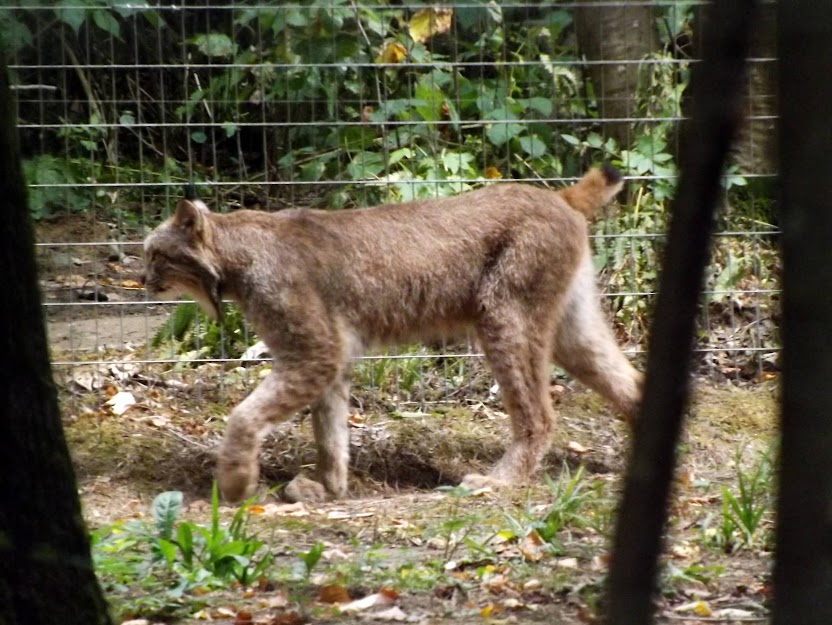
{"x":46,"y":575}
{"x":623,"y":33}
{"x":803,"y":558}
{"x":755,"y":151}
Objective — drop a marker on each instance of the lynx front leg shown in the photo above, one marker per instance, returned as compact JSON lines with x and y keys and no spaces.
{"x":329,"y":420}
{"x":585,"y":346}
{"x":279,"y":396}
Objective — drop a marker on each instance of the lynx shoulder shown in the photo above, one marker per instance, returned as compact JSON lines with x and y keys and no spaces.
{"x":509,"y":262}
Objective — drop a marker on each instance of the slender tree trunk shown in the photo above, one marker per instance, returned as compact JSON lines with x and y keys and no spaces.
{"x":755,"y":150}
{"x":46,"y":575}
{"x":625,"y":33}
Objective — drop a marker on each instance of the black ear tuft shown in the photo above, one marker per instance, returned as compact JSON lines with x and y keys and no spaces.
{"x":190,"y":191}
{"x":611,"y":174}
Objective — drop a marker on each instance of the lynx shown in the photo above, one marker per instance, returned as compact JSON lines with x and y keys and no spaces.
{"x":509,"y":262}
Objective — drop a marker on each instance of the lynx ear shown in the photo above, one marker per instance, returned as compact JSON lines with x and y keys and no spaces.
{"x":190,"y":215}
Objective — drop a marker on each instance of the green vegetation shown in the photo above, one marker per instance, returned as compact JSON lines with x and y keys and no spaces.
{"x":741,"y":522}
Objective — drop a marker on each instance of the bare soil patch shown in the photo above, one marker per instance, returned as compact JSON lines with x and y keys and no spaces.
{"x":400,"y":535}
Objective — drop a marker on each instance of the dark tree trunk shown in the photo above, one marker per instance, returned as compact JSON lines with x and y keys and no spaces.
{"x":625,"y":32}
{"x":803,"y":558}
{"x":46,"y":576}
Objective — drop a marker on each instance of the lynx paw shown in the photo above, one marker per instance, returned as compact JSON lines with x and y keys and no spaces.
{"x":303,"y":489}
{"x":237,"y":480}
{"x":475,"y":481}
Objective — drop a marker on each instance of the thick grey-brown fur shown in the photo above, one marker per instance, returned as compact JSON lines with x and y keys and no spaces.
{"x":510,"y":262}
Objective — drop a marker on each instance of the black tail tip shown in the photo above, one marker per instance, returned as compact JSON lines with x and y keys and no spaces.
{"x":190,"y":191}
{"x":611,"y":174}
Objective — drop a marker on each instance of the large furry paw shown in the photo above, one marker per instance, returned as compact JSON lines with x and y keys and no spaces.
{"x":236,"y":479}
{"x":474,"y":481}
{"x":303,"y":489}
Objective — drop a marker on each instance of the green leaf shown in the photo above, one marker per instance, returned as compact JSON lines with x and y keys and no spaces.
{"x":15,"y":34}
{"x":541,"y":105}
{"x":69,"y":13}
{"x":501,"y":133}
{"x":571,"y":139}
{"x":199,"y":137}
{"x":532,"y":146}
{"x":230,"y":129}
{"x":185,"y":540}
{"x":167,"y":549}
{"x":295,"y":18}
{"x":594,"y":140}
{"x":365,"y":165}
{"x":165,"y":509}
{"x":215,"y":45}
{"x":397,"y":155}
{"x":106,"y":22}
{"x":127,"y":118}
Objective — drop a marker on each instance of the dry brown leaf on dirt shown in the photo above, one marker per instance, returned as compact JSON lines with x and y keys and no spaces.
{"x":577,"y":449}
{"x":700,"y":608}
{"x":243,"y":617}
{"x":120,"y":402}
{"x":356,"y":420}
{"x":390,"y":614}
{"x":384,"y":597}
{"x":287,"y":618}
{"x":333,"y":593}
{"x":345,"y":514}
{"x":532,"y":547}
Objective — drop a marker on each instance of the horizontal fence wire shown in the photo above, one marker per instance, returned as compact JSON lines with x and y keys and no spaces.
{"x":338,"y":104}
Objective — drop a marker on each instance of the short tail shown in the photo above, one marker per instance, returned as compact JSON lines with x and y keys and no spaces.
{"x":598,"y":186}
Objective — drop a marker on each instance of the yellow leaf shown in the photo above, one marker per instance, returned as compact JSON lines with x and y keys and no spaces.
{"x":429,"y":22}
{"x":392,"y":52}
{"x":487,"y":610}
{"x":256,"y":509}
{"x":702,"y":609}
{"x":492,"y":173}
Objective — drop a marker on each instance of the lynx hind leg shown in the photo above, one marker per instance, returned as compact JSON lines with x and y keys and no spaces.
{"x":329,"y":421}
{"x":586,"y":347}
{"x":518,"y":357}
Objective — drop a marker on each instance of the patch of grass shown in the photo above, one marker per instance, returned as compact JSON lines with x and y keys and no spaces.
{"x":160,"y":568}
{"x":743,"y":509}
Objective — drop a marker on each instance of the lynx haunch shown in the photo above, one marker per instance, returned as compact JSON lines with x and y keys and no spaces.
{"x":510,"y":262}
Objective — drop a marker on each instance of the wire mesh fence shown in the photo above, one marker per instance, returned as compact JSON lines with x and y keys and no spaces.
{"x":336,"y":104}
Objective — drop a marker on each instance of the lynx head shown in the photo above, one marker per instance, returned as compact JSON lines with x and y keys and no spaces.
{"x":179,"y":257}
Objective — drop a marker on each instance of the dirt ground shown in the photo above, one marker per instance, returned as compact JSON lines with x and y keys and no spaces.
{"x":435,"y":556}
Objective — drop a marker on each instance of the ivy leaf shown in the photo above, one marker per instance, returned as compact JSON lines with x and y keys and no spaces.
{"x":106,"y":22}
{"x":69,"y":13}
{"x":429,"y":22}
{"x":501,"y":133}
{"x":532,"y":146}
{"x":571,"y":139}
